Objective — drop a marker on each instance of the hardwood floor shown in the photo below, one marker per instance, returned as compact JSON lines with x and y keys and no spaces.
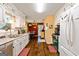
{"x":39,"y":49}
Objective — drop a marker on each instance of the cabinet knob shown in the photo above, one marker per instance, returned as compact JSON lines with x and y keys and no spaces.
{"x":13,"y":46}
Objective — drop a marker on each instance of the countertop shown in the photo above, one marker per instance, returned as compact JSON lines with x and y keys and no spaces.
{"x":7,"y":39}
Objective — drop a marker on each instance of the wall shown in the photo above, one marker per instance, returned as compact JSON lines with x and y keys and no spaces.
{"x":11,"y":10}
{"x":48,"y":32}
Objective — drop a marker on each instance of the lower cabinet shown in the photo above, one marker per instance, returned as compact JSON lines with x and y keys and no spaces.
{"x":7,"y":49}
{"x":19,"y":44}
{"x":14,"y":47}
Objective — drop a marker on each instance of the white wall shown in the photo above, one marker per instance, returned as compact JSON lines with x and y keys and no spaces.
{"x":10,"y":8}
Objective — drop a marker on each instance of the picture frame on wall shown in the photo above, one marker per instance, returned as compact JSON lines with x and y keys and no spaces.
{"x":51,"y":27}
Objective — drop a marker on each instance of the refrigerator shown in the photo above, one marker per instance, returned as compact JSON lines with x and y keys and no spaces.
{"x":69,"y":32}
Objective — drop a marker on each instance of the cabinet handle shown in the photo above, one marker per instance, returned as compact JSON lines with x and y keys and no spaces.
{"x":13,"y":46}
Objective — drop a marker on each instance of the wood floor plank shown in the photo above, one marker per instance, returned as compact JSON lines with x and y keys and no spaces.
{"x":40,"y":49}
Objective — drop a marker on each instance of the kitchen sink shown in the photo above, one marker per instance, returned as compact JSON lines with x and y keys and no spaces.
{"x":2,"y":37}
{"x":13,"y":36}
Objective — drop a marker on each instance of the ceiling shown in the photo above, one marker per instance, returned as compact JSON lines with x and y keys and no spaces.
{"x":30,"y":11}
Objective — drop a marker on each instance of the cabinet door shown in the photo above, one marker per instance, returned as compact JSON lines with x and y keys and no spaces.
{"x":27,"y":39}
{"x":23,"y":42}
{"x":2,"y":47}
{"x":19,"y":44}
{"x":9,"y":48}
{"x":16,"y":47}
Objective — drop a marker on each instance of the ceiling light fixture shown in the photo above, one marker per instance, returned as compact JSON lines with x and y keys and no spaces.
{"x":40,"y":7}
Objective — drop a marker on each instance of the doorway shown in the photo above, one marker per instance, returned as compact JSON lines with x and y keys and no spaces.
{"x":33,"y":30}
{"x":41,"y":32}
{"x":36,"y":31}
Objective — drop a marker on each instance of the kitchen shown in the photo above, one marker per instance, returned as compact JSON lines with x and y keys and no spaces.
{"x":13,"y":34}
{"x":14,"y":31}
{"x":57,"y":24}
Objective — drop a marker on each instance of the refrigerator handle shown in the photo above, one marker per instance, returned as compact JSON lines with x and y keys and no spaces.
{"x":71,"y":30}
{"x":67,"y":30}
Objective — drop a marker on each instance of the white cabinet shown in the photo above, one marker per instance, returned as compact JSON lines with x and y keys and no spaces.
{"x":16,"y":47}
{"x":20,"y":43}
{"x":7,"y":48}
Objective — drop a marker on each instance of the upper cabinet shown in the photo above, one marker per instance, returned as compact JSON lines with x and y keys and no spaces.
{"x":1,"y":14}
{"x":10,"y":14}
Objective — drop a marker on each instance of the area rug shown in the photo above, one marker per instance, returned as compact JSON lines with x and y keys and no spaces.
{"x":52,"y":49}
{"x":24,"y":52}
